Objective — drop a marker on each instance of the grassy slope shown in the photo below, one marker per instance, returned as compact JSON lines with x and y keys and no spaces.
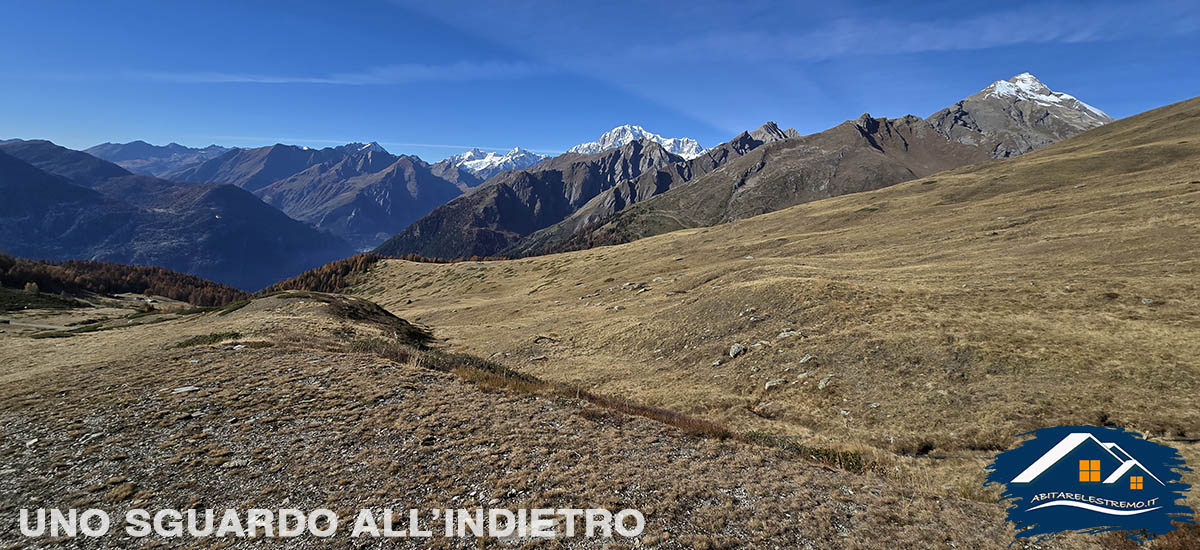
{"x":946,"y":315}
{"x":301,"y":414}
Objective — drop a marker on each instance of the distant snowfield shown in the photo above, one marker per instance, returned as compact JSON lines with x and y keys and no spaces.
{"x":685,"y":147}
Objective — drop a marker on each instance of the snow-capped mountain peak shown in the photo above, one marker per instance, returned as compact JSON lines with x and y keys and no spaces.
{"x":1027,"y":87}
{"x":486,"y":164}
{"x":687,"y":148}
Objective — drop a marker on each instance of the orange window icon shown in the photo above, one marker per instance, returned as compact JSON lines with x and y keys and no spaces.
{"x":1135,"y":482}
{"x":1089,"y":471}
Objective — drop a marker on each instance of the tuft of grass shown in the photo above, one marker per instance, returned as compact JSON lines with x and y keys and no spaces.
{"x":688,"y":424}
{"x":198,"y":309}
{"x":845,"y":460}
{"x":206,"y":339}
{"x":52,"y":334}
{"x":388,"y":349}
{"x":234,"y":307}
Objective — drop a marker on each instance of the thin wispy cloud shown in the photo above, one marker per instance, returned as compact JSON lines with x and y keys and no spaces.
{"x":383,"y":75}
{"x":855,"y":36}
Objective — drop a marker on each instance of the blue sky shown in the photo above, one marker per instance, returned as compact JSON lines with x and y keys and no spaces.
{"x":434,"y":78}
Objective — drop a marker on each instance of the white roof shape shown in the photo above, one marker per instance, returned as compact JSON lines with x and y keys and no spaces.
{"x":1070,"y":443}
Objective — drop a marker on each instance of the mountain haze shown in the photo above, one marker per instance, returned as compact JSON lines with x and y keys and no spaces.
{"x":215,"y":231}
{"x":143,"y":158}
{"x":357,"y":191}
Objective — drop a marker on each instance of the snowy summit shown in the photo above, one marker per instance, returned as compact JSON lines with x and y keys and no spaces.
{"x":687,"y":148}
{"x":1027,"y":87}
{"x":486,"y":164}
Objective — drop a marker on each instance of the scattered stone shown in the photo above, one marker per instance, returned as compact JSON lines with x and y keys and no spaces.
{"x":193,"y":360}
{"x":31,"y":442}
{"x":641,"y":290}
{"x":788,"y":333}
{"x":775,"y":382}
{"x":677,"y":258}
{"x":659,"y":279}
{"x":716,"y":363}
{"x":873,"y":405}
{"x":239,"y":346}
{"x":538,"y":358}
{"x":493,"y":502}
{"x":618,"y":308}
{"x":185,"y":389}
{"x":235,"y":464}
{"x":807,"y":358}
{"x":824,"y":382}
{"x":736,"y":350}
{"x":1147,"y":301}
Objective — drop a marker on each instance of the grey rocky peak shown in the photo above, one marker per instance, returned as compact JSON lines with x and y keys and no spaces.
{"x":770,"y":132}
{"x":1015,"y":116}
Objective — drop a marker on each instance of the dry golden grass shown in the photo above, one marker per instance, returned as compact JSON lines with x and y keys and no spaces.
{"x":330,"y":414}
{"x":943,"y":316}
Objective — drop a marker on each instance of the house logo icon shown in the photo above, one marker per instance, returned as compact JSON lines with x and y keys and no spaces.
{"x":1092,"y":479}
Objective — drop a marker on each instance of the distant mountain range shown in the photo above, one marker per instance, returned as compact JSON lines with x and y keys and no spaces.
{"x":62,"y":204}
{"x":251,"y":216}
{"x":484,"y":165}
{"x":756,"y":172}
{"x":687,"y":148}
{"x":357,"y":191}
{"x":143,"y":158}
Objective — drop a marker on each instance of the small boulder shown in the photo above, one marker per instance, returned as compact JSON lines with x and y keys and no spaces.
{"x":824,"y":382}
{"x":736,"y":350}
{"x":775,"y":382}
{"x":788,"y":333}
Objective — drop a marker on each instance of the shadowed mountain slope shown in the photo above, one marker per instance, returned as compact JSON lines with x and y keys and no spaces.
{"x":143,"y":158}
{"x":496,"y":214}
{"x":218,"y":232}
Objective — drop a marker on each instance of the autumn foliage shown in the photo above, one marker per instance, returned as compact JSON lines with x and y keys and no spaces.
{"x":89,"y":276}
